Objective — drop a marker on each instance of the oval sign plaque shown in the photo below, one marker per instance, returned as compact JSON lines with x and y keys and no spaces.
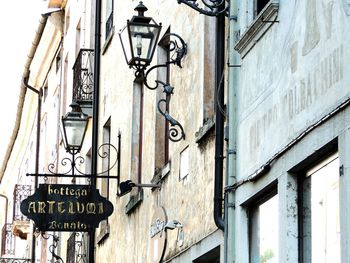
{"x":63,"y":207}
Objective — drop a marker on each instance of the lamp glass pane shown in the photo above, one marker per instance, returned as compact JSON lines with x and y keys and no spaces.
{"x":143,"y":39}
{"x":124,"y":39}
{"x":75,"y":130}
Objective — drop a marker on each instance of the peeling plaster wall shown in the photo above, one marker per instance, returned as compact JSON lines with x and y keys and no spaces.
{"x":292,"y":75}
{"x":190,"y":200}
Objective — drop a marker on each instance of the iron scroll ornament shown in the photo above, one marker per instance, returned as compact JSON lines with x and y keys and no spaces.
{"x":210,"y":7}
{"x":178,"y":49}
{"x":105,"y":151}
{"x":176,"y":132}
{"x":72,"y":162}
{"x":53,"y":246}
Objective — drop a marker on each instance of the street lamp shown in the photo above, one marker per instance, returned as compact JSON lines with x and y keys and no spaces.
{"x":139,"y":39}
{"x":74,"y":125}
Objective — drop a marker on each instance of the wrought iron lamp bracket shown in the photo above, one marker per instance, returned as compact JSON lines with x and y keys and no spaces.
{"x":178,"y":48}
{"x":210,"y":7}
{"x":104,"y":152}
{"x":176,"y":132}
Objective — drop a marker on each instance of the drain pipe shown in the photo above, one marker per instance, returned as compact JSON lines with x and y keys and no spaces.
{"x":38,"y":126}
{"x":219,"y":118}
{"x":95,"y":115}
{"x":233,"y":80}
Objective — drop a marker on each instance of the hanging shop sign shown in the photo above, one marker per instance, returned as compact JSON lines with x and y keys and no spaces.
{"x":158,"y":235}
{"x":63,"y":207}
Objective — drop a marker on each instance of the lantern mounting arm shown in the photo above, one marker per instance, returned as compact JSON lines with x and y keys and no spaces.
{"x":178,"y":49}
{"x":211,"y":8}
{"x":126,"y":187}
{"x":176,"y":132}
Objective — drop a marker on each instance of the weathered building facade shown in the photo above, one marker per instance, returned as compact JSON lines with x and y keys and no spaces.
{"x":287,"y":188}
{"x":291,"y":184}
{"x":169,"y":222}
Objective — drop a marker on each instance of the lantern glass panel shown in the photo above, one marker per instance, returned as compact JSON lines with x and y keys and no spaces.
{"x":124,"y":39}
{"x":143,"y":40}
{"x":74,"y":131}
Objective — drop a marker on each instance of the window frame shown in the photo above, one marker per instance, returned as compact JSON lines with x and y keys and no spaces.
{"x":305,"y":175}
{"x":252,"y":204}
{"x":109,"y":23}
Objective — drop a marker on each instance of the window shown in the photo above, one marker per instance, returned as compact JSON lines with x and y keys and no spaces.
{"x":137,"y":123}
{"x":209,"y":41}
{"x":77,"y":39}
{"x":209,"y":69}
{"x":136,"y":146}
{"x":20,"y":193}
{"x":259,"y":6}
{"x":67,"y":21}
{"x":263,"y":229}
{"x":184,"y":163}
{"x":8,"y":241}
{"x":105,"y":161}
{"x":162,"y":125}
{"x":71,"y":249}
{"x":109,"y":17}
{"x":104,"y":182}
{"x":65,"y":87}
{"x":58,"y":62}
{"x":258,"y":17}
{"x":45,"y":92}
{"x":77,"y":248}
{"x":213,"y":256}
{"x":319,"y":210}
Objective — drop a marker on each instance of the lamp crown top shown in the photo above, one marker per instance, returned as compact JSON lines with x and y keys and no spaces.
{"x":141,"y":9}
{"x":75,"y":107}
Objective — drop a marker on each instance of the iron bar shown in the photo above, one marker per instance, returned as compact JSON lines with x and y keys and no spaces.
{"x":14,"y":260}
{"x":75,"y":176}
{"x":179,"y":48}
{"x":208,"y":7}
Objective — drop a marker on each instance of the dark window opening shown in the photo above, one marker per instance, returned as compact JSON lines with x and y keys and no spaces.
{"x":58,"y":63}
{"x":109,"y":17}
{"x":260,"y":4}
{"x":213,"y":256}
{"x":45,"y":92}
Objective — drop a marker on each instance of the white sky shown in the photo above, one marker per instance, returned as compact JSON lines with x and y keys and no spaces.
{"x":18,"y":22}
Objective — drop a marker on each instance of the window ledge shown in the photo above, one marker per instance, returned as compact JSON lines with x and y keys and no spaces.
{"x":204,"y":131}
{"x":104,"y":232}
{"x":108,"y":41}
{"x":135,"y":201}
{"x":266,"y":18}
{"x":161,"y":174}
